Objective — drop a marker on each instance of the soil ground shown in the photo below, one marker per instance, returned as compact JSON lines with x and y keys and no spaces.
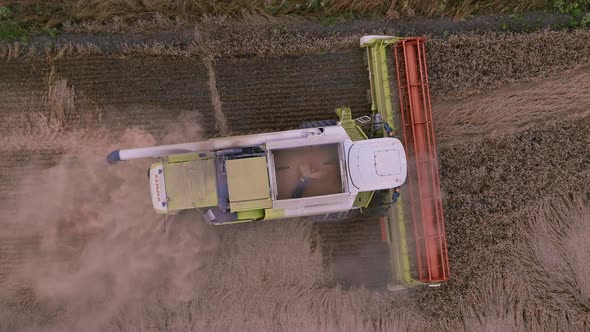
{"x":81,"y":249}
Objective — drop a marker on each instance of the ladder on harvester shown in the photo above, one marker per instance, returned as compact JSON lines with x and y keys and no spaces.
{"x":414,"y":228}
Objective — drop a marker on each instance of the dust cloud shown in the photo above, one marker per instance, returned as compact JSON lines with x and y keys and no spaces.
{"x":101,"y":251}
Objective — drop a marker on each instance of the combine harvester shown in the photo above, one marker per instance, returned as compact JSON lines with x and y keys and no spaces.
{"x":327,"y":169}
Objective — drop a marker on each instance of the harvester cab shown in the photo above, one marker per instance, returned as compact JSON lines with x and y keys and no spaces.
{"x":327,"y":168}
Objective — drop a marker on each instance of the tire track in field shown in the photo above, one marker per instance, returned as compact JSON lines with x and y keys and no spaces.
{"x":220,"y":119}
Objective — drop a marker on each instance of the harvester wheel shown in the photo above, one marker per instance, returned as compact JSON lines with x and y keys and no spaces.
{"x":379,"y":206}
{"x":317,"y":124}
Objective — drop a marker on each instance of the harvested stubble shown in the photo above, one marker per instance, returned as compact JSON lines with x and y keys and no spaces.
{"x":459,"y":65}
{"x":514,"y":108}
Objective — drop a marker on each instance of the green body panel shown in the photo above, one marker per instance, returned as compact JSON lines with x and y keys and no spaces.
{"x":274,"y":214}
{"x":251,"y":215}
{"x":363,"y":199}
{"x":379,"y":76}
{"x":352,"y":129}
{"x":248,"y":184}
{"x":191,"y":184}
{"x":382,"y":103}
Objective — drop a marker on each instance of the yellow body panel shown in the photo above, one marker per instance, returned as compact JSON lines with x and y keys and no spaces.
{"x":274,"y":213}
{"x":191,"y":184}
{"x":248,"y":184}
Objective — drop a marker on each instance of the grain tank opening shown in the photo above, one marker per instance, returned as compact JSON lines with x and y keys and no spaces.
{"x":308,"y":171}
